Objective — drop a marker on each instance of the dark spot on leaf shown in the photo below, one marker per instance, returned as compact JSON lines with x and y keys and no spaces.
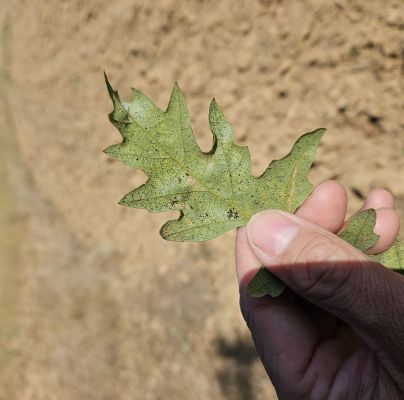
{"x":232,"y":214}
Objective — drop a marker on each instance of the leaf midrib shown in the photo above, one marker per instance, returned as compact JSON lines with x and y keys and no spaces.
{"x":292,"y":181}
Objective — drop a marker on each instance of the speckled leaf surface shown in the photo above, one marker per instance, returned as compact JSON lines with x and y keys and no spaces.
{"x":214,"y":192}
{"x":393,"y":258}
{"x":359,"y":230}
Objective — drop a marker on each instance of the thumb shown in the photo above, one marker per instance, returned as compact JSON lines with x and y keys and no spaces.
{"x":326,"y":270}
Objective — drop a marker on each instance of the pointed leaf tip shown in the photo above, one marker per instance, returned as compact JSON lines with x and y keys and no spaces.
{"x":124,"y":202}
{"x":113,"y":94}
{"x":320,"y":132}
{"x":175,"y":90}
{"x":107,"y":81}
{"x":213,"y":104}
{"x":214,"y":109}
{"x":108,"y":150}
{"x":177,"y":87}
{"x":177,"y":99}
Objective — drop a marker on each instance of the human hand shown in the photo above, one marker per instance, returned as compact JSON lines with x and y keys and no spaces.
{"x":339,"y":333}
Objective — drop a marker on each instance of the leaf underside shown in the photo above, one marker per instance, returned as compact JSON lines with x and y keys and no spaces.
{"x":359,"y":230}
{"x":393,"y":258}
{"x":214,"y":192}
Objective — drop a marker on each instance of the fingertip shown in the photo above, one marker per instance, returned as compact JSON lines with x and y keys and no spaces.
{"x":379,"y":198}
{"x":332,"y":188}
{"x":326,"y":206}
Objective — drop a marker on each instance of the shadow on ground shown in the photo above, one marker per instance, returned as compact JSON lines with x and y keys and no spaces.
{"x":236,"y":376}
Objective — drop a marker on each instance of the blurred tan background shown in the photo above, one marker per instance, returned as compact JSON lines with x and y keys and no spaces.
{"x":93,"y":303}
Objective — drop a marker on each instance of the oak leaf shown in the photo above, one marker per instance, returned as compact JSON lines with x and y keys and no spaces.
{"x":214,"y":192}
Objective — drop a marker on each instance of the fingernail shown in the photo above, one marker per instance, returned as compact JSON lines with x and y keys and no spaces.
{"x":270,"y":233}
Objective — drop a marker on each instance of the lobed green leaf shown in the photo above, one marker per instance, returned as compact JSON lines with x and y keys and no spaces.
{"x":214,"y":192}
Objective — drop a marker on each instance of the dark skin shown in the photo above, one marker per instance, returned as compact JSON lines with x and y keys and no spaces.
{"x":338,"y":334}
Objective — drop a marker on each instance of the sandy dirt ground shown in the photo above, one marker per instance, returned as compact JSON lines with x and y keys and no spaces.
{"x":94,"y":304}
